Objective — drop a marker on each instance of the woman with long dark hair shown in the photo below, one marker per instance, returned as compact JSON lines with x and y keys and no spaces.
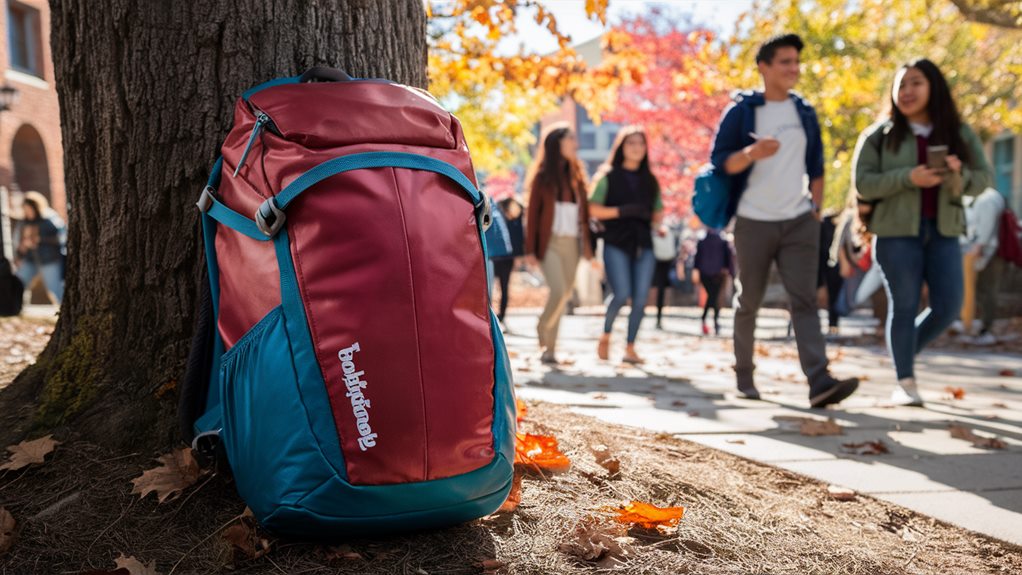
{"x":913,"y":168}
{"x":626,"y":197}
{"x":39,"y":241}
{"x":556,"y":225}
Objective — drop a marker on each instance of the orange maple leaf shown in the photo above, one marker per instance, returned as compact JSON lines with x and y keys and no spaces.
{"x":540,"y":451}
{"x":649,"y":516}
{"x":521,"y":409}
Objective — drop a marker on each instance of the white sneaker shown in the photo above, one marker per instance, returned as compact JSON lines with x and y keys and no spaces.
{"x":907,"y":393}
{"x":985,"y":339}
{"x":957,"y":327}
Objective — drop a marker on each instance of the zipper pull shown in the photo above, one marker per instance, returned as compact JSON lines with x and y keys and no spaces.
{"x":261,"y":121}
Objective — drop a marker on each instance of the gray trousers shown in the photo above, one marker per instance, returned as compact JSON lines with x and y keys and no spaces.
{"x":794,"y":245}
{"x":988,"y":286}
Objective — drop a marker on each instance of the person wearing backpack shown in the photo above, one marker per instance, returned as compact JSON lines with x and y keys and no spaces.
{"x":713,"y":263}
{"x":556,"y":226}
{"x":626,"y":198}
{"x":768,"y":142}
{"x":917,"y":214}
{"x":983,"y":216}
{"x":511,"y":211}
{"x":39,"y":246}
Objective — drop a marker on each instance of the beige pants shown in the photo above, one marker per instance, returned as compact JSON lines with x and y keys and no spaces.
{"x":559,"y":266}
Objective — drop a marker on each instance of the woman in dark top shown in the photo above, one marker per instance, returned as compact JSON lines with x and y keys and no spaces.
{"x":712,"y":266}
{"x":40,"y":245}
{"x":503,"y":266}
{"x":917,"y":214}
{"x":556,"y":226}
{"x":626,"y":198}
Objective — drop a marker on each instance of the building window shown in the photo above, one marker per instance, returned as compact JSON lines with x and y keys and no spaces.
{"x":23,"y":38}
{"x":1004,"y":165}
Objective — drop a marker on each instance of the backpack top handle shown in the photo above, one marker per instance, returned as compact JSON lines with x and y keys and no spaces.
{"x":324,"y":74}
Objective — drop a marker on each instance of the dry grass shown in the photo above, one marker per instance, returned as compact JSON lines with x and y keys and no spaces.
{"x":76,"y":513}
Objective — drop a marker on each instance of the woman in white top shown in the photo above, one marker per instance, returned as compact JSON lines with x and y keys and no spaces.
{"x":556,"y":225}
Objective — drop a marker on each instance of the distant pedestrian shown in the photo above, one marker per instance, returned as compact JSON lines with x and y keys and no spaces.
{"x":983,"y":216}
{"x":40,"y":243}
{"x":626,"y":198}
{"x":713,"y":264}
{"x":769,"y":142}
{"x":556,"y":226}
{"x":830,"y":277}
{"x":914,"y":166}
{"x":503,"y":266}
{"x":665,"y":250}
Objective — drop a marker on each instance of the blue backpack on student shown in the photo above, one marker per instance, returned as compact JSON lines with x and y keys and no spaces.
{"x":712,"y":194}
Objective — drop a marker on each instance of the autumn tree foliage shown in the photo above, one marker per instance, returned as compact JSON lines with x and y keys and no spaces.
{"x":500,"y":94}
{"x":678,"y":102}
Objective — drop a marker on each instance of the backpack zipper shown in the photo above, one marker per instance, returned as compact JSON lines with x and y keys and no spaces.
{"x":262,"y":120}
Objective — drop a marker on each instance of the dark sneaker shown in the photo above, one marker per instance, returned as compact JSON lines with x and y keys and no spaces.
{"x":829,"y":391}
{"x":746,"y":385}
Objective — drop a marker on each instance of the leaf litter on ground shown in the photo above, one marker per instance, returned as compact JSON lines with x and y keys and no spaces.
{"x":809,"y":426}
{"x":962,"y":432}
{"x":876,"y":447}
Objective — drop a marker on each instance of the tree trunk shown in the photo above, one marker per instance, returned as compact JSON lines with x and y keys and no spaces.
{"x":146,"y":93}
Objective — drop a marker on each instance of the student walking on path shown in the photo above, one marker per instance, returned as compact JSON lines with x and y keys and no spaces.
{"x":39,"y":241}
{"x":917,"y":216}
{"x":983,"y":216}
{"x":556,"y":226}
{"x":712,"y":265}
{"x":626,"y":197}
{"x":511,"y":210}
{"x":768,"y":142}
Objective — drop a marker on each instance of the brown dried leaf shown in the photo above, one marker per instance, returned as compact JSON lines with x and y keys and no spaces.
{"x":599,"y":396}
{"x":342,"y":552}
{"x":956,"y":392}
{"x":961,"y":432}
{"x":179,"y":472}
{"x":106,"y":572}
{"x":606,"y":460}
{"x":866,"y":448}
{"x":999,"y":405}
{"x":514,"y":498}
{"x":1006,"y":373}
{"x":7,"y":525}
{"x":736,"y":441}
{"x":29,"y":453}
{"x":809,"y":426}
{"x":678,"y":403}
{"x":490,"y":565}
{"x":596,"y":542}
{"x":840,"y":493}
{"x":244,"y":538}
{"x":135,"y":567}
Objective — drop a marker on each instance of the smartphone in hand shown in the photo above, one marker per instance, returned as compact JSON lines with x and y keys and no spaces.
{"x":936,"y":157}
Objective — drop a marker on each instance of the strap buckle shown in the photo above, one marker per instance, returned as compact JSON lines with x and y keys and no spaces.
{"x":206,"y":199}
{"x":486,"y":217}
{"x":269,"y":218}
{"x":205,"y":445}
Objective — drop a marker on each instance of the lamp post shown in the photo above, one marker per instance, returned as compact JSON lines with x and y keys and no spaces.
{"x":8,"y":97}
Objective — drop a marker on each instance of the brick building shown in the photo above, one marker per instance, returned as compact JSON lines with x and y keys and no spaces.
{"x":31,"y":155}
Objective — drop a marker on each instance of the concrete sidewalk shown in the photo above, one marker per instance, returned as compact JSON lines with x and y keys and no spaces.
{"x":686,"y":388}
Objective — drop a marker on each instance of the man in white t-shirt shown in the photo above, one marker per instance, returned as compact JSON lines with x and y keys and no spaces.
{"x":769,"y":144}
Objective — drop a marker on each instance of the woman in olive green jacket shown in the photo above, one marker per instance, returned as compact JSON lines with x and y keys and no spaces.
{"x":917,"y":212}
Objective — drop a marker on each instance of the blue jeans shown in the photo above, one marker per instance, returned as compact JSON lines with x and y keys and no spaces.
{"x":52,"y":276}
{"x":629,"y":276}
{"x":906,"y":263}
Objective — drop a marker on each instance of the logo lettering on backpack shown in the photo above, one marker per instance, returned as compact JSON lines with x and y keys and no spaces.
{"x":355,"y":383}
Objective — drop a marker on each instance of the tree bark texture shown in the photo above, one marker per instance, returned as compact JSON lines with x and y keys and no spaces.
{"x":147,"y":90}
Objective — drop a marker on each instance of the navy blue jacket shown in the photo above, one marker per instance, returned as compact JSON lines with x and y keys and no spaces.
{"x":739,"y":120}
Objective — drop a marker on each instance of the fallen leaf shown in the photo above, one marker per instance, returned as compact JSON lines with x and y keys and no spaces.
{"x":244,"y":538}
{"x":1000,"y":405}
{"x":956,"y":392}
{"x":606,"y":460}
{"x":596,"y":542}
{"x":1006,"y":373}
{"x":179,"y":472}
{"x":29,"y":453}
{"x":540,"y":451}
{"x":736,"y":441}
{"x":678,"y":403}
{"x":840,"y":493}
{"x":106,"y":572}
{"x":342,"y":552}
{"x":490,"y":565}
{"x":960,"y":432}
{"x":648,"y":516}
{"x":809,"y":426}
{"x":514,"y":498}
{"x":7,"y":525}
{"x":693,"y":413}
{"x":135,"y":567}
{"x":866,"y":448}
{"x":521,"y":409}
{"x":599,"y":396}
{"x":166,"y":388}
